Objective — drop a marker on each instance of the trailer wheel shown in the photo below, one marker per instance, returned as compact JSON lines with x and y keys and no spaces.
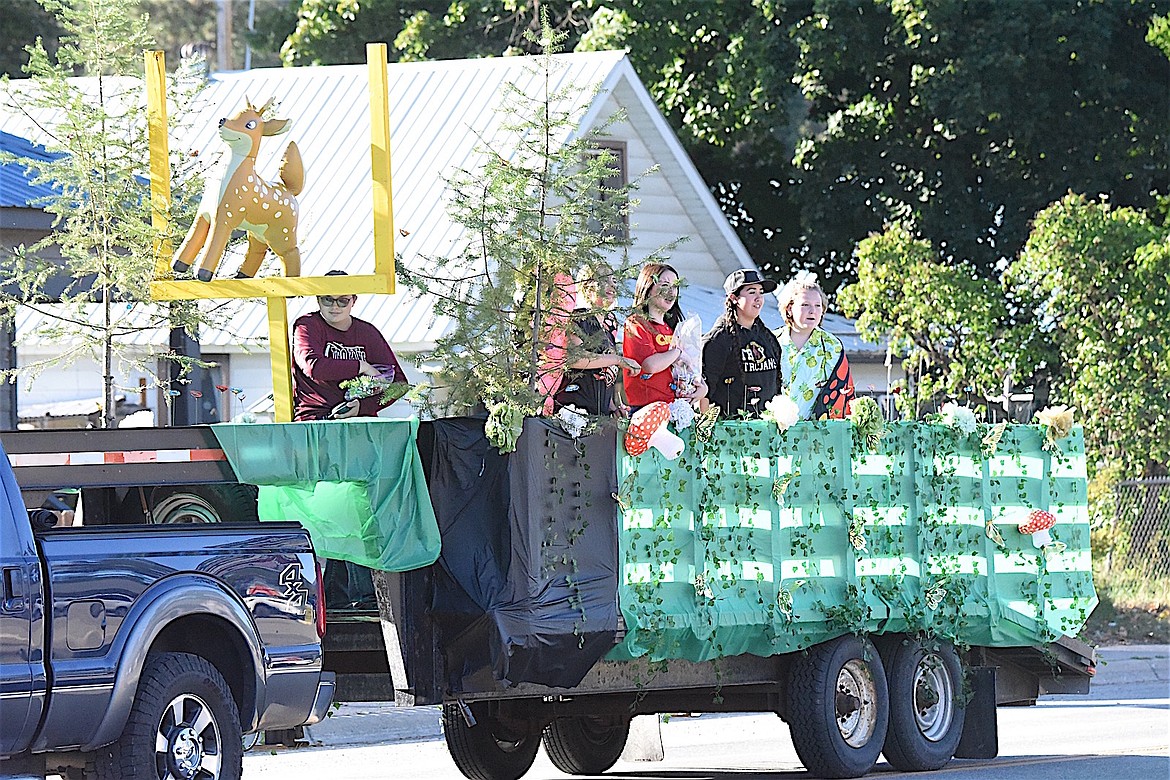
{"x":926,"y":715}
{"x":488,"y":750}
{"x":838,"y":707}
{"x":183,"y":724}
{"x":586,"y":744}
{"x":203,"y":504}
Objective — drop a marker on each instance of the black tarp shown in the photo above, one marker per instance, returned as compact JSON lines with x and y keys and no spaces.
{"x":525,"y":589}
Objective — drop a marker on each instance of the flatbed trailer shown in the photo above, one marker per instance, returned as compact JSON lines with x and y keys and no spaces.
{"x":878,"y":602}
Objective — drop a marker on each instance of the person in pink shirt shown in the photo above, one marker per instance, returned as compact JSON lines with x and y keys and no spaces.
{"x":330,"y":345}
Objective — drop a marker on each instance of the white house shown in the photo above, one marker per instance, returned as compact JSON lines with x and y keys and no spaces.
{"x":439,"y":112}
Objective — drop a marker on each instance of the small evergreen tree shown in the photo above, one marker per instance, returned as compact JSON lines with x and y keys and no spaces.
{"x":537,"y":215}
{"x":99,"y":173}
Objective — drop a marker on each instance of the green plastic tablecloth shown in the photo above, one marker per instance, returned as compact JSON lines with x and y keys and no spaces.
{"x":744,"y":544}
{"x":356,"y":485}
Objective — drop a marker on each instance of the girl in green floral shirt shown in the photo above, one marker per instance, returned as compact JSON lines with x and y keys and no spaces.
{"x":813,"y":368}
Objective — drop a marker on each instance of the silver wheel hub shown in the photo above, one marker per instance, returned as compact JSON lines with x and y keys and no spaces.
{"x":187,"y":744}
{"x":934,"y":697}
{"x":856,"y":703}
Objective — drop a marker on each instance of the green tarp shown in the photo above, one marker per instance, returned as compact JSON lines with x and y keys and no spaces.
{"x":356,"y":485}
{"x":765,"y":542}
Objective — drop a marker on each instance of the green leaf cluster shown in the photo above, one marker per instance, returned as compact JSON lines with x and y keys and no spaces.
{"x":1094,"y":277}
{"x":949,"y":324}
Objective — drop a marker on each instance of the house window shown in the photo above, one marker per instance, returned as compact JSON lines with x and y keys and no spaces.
{"x":616,"y":226}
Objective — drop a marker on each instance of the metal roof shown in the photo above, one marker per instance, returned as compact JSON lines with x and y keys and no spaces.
{"x":16,"y":187}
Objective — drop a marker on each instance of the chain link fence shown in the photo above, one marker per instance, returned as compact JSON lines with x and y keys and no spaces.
{"x":1137,"y":550}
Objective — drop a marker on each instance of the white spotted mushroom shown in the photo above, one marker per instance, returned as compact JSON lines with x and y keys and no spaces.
{"x":648,"y":429}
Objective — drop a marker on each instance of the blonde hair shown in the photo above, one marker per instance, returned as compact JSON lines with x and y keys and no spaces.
{"x":804,"y":280}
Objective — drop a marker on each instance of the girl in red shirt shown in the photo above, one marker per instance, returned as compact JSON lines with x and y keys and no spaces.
{"x":647,"y":339}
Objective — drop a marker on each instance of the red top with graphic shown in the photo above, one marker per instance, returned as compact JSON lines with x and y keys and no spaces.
{"x":323,"y":357}
{"x":642,"y":339}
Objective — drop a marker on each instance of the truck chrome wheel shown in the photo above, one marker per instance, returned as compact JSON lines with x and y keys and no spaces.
{"x":856,"y":703}
{"x":183,"y":725}
{"x":188,"y":741}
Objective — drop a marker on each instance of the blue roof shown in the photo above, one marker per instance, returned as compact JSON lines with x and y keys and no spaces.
{"x":16,"y":187}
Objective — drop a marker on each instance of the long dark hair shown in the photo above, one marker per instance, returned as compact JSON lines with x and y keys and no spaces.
{"x":647,"y":279}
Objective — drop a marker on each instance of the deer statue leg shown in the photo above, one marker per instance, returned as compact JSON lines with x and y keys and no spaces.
{"x":191,"y":245}
{"x":221,"y":232}
{"x":292,"y":261}
{"x":252,"y":258}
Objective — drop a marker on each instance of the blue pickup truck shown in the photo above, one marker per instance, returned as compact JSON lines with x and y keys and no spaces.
{"x":148,"y":651}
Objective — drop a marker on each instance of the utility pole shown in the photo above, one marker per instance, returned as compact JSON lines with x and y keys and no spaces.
{"x":223,"y":35}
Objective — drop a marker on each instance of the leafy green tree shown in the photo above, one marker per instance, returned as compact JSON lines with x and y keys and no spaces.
{"x":102,"y":196}
{"x":969,"y":116}
{"x":948,"y":323}
{"x":535,"y":222}
{"x":1094,"y":278}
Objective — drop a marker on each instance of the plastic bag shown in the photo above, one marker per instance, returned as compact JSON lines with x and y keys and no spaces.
{"x":688,"y":369}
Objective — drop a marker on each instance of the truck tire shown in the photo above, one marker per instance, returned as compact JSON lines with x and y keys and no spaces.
{"x":926,"y":712}
{"x":203,"y":504}
{"x":838,"y":707}
{"x":487,"y":751}
{"x":586,"y":744}
{"x":183,"y":724}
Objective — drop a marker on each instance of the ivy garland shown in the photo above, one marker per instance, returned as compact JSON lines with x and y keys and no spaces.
{"x":766,"y":541}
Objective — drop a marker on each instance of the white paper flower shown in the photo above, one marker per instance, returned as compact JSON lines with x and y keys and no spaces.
{"x":781,"y":410}
{"x":573,"y":420}
{"x":682,"y":414}
{"x":961,"y":418}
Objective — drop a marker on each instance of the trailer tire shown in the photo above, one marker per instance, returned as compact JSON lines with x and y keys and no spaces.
{"x":926,"y":712}
{"x":203,"y":504}
{"x":838,"y":707}
{"x":183,"y":719}
{"x":586,"y":744}
{"x":486,"y":751}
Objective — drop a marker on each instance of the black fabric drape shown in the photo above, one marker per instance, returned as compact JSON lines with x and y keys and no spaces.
{"x":526,"y":584}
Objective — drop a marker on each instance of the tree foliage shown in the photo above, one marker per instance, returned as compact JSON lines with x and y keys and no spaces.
{"x":948,"y":323}
{"x":969,"y":116}
{"x":535,"y":223}
{"x":961,"y":117}
{"x":101,"y":200}
{"x":1095,"y":279}
{"x":24,"y":22}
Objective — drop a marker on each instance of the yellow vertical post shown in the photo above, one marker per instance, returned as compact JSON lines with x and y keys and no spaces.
{"x":160,"y":167}
{"x":280,"y":357}
{"x":380,"y":163}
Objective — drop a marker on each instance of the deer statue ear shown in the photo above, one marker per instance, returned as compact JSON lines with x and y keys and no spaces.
{"x":276,"y":126}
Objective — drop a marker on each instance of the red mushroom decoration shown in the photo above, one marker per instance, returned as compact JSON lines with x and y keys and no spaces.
{"x":648,"y":429}
{"x":1038,"y":524}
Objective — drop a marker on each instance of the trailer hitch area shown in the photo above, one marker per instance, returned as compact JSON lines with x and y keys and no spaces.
{"x":465,"y":712}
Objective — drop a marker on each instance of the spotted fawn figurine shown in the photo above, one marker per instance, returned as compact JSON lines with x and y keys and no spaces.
{"x":236,"y":198}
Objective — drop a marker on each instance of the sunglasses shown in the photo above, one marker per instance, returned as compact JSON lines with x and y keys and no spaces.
{"x":341,"y":300}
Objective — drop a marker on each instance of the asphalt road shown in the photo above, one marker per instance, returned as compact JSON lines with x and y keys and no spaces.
{"x":1121,"y":730}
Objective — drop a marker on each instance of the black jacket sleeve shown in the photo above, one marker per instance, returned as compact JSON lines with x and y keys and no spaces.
{"x":717,"y":348}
